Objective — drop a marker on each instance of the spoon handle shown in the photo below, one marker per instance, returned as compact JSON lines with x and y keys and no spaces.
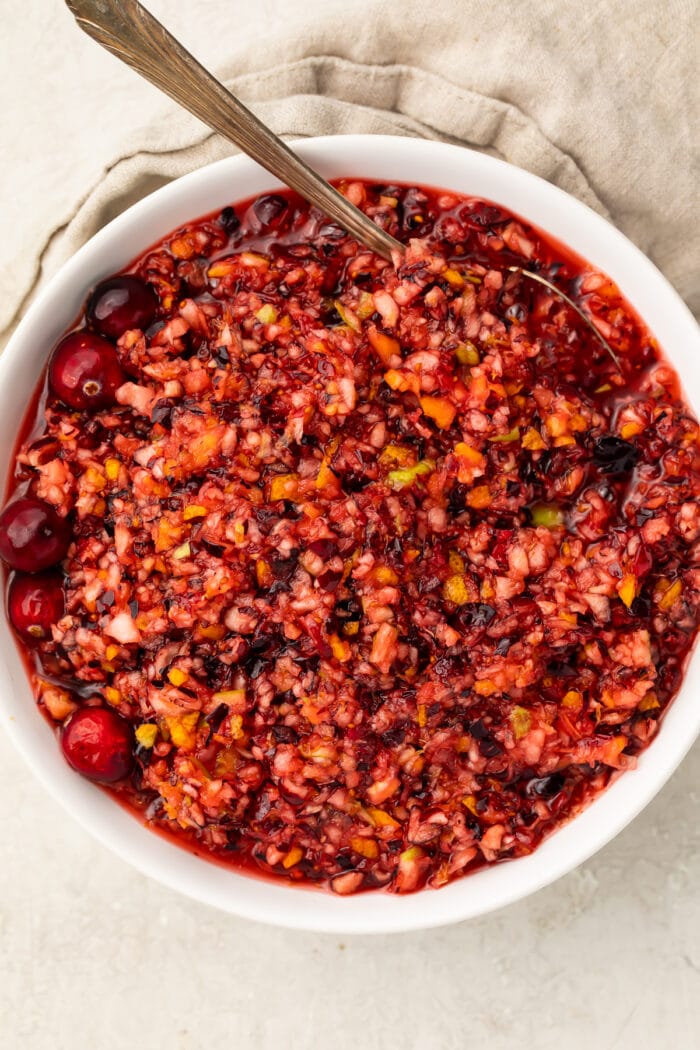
{"x":130,"y":32}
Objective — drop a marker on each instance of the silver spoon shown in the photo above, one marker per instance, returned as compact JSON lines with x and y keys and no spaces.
{"x":130,"y":32}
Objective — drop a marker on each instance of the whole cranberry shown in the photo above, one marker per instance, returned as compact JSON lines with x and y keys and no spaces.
{"x":35,"y":603}
{"x":84,"y":371}
{"x":98,"y":743}
{"x":32,"y":535}
{"x":121,"y":303}
{"x":272,"y":211}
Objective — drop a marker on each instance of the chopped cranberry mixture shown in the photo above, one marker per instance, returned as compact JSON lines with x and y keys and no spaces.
{"x":350,"y":573}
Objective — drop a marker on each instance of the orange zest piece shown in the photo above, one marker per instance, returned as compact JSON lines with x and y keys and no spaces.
{"x":439,"y":409}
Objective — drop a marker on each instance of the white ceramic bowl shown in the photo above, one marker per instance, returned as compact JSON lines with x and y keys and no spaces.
{"x":386,"y":159}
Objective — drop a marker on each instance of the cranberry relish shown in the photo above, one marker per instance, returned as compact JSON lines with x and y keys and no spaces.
{"x":374,"y":575}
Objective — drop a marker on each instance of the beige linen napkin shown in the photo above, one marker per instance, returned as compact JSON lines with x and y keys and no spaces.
{"x":599,"y":98}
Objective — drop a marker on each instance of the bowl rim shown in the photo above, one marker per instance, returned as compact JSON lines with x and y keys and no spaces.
{"x":266,"y":900}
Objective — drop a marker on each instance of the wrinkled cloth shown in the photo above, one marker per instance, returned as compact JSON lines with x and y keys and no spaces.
{"x":600,"y":99}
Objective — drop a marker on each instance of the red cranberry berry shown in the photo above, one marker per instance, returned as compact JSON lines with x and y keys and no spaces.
{"x":480,"y":215}
{"x":98,"y":743}
{"x":272,"y":211}
{"x":32,"y":535}
{"x":34,"y":604}
{"x":121,"y":303}
{"x":229,"y":220}
{"x":84,"y":371}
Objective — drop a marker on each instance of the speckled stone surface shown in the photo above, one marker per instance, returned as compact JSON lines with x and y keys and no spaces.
{"x":95,"y":957}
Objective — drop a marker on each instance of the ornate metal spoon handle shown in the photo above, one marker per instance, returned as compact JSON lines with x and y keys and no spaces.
{"x":130,"y":32}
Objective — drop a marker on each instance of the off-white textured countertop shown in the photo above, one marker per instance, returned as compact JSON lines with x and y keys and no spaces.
{"x":95,"y":957}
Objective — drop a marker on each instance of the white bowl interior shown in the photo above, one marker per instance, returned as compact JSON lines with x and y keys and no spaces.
{"x":386,"y":159}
